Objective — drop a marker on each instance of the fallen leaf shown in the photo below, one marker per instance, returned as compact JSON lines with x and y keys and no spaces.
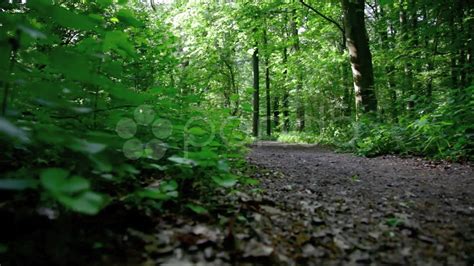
{"x":310,"y":251}
{"x":340,"y":243}
{"x":257,"y":249}
{"x":271,"y":210}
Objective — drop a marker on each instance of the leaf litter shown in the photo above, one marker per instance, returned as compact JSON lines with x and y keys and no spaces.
{"x":307,"y":211}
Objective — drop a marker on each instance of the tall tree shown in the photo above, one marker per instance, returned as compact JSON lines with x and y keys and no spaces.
{"x":286,"y":94}
{"x":256,"y":92}
{"x":268,"y":121}
{"x":357,"y":43}
{"x":300,"y":112}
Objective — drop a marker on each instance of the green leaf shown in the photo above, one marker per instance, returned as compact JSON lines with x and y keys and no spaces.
{"x":170,"y":185}
{"x":157,"y":166}
{"x":17,"y":184}
{"x":101,"y":162}
{"x":250,"y":181}
{"x":197,"y":208}
{"x":87,"y":202}
{"x":197,"y":131}
{"x":75,"y":184}
{"x":118,"y":42}
{"x":70,"y":63}
{"x":223,"y":166}
{"x":70,"y":19}
{"x":105,"y":3}
{"x":53,"y":178}
{"x":154,"y":193}
{"x":205,"y":157}
{"x":234,"y":97}
{"x":393,"y":222}
{"x":86,"y":146}
{"x":123,"y":93}
{"x":386,"y":2}
{"x":181,"y":160}
{"x":225,"y":180}
{"x":355,"y":178}
{"x":71,"y":192}
{"x":247,"y":107}
{"x":128,"y":17}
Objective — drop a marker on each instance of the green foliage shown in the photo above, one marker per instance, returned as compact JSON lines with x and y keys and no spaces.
{"x":422,"y":81}
{"x":445,"y":133}
{"x":196,"y":208}
{"x":167,"y":190}
{"x":394,"y":222}
{"x":380,"y":139}
{"x":98,"y":96}
{"x":92,"y":109}
{"x":73,"y":192}
{"x":226,"y":180}
{"x":296,"y":137}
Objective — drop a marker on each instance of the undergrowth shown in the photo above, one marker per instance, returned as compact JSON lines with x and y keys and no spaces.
{"x":447,"y":132}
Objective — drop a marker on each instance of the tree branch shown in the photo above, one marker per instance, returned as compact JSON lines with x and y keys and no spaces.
{"x":153,"y":5}
{"x":323,"y":16}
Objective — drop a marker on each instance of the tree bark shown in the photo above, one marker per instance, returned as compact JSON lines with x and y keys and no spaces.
{"x":267,"y":87}
{"x":286,"y":96}
{"x":233,"y":87}
{"x":454,"y":41}
{"x":407,"y":69}
{"x":256,"y":92}
{"x":389,"y":69}
{"x":348,"y":100}
{"x":360,"y":56}
{"x":276,"y":113}
{"x":462,"y":5}
{"x":300,"y":112}
{"x":470,"y":45}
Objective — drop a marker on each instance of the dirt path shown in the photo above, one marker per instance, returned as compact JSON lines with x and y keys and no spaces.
{"x":339,"y":208}
{"x":312,"y":207}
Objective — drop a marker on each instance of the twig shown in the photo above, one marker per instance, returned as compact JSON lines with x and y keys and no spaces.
{"x":325,"y":17}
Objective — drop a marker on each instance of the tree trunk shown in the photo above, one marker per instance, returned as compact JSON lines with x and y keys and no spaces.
{"x":429,"y":57}
{"x":454,"y":44}
{"x":357,"y":43}
{"x":276,"y":113}
{"x":389,"y":70}
{"x":462,"y":5}
{"x":300,"y":112}
{"x":256,"y":92}
{"x":470,"y":45}
{"x":412,"y":66}
{"x":347,"y":90}
{"x":267,"y":87}
{"x":233,"y":88}
{"x":407,"y":82}
{"x":286,"y":96}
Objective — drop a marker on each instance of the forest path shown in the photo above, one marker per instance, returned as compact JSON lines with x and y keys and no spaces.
{"x":343,"y":208}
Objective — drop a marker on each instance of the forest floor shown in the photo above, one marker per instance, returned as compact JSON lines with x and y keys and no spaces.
{"x":312,"y":207}
{"x":339,"y":208}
